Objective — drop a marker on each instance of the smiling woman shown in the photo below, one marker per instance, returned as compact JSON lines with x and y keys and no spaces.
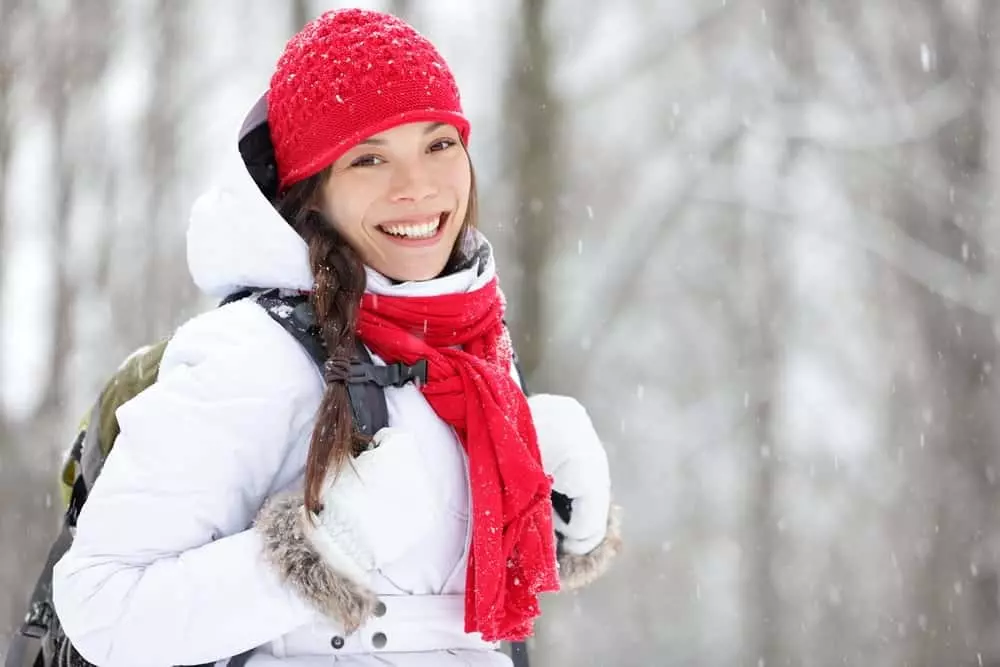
{"x":252,"y":506}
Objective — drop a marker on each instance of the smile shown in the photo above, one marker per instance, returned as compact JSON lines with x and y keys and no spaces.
{"x":415,"y":228}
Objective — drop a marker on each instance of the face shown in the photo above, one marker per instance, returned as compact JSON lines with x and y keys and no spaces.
{"x":400,"y":197}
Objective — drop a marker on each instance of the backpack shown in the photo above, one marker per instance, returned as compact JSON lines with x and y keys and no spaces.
{"x":40,"y":641}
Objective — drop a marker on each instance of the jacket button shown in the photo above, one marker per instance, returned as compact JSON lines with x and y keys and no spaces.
{"x":379,"y":640}
{"x":380,"y":609}
{"x":337,"y":642}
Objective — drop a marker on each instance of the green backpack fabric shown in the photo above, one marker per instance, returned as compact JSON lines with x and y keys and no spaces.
{"x":99,"y":428}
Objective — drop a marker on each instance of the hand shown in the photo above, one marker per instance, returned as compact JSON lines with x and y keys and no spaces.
{"x":573,"y":455}
{"x":374,"y":511}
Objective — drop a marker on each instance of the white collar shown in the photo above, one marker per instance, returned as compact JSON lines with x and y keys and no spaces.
{"x":477,"y":271}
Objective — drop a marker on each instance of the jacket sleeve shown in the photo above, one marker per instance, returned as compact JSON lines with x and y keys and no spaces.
{"x":164,"y":568}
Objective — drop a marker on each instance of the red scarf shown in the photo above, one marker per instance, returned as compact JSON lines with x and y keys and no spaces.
{"x":512,"y":557}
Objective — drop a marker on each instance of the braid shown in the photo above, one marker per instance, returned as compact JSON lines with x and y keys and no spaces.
{"x":339,"y":276}
{"x":336,"y":299}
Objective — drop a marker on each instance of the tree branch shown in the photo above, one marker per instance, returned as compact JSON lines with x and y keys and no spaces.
{"x":881,"y":237}
{"x":882,"y":127}
{"x":659,"y":190}
{"x":655,"y":56}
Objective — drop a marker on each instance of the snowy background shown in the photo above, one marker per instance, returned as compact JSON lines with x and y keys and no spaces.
{"x":757,"y":238}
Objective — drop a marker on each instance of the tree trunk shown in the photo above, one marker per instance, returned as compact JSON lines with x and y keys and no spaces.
{"x":7,"y":69}
{"x":55,"y":87}
{"x":301,"y":14}
{"x":964,"y":563}
{"x":947,"y":400}
{"x":156,"y":294}
{"x":536,"y":120}
{"x":760,"y":262}
{"x":402,"y":8}
{"x":765,"y":323}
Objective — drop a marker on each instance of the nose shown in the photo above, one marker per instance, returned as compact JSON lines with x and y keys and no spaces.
{"x":411,"y":182}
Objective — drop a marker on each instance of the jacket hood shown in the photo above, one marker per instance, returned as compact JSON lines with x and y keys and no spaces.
{"x":236,"y":239}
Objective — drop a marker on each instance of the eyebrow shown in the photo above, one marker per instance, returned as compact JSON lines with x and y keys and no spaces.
{"x":433,"y":127}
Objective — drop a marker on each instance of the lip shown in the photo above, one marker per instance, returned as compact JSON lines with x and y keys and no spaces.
{"x":444,"y":219}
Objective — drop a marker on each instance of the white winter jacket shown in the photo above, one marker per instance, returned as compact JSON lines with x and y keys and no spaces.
{"x":167,"y":568}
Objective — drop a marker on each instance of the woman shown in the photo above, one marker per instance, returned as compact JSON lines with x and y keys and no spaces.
{"x":239,"y":510}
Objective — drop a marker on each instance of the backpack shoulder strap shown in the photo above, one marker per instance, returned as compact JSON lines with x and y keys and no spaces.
{"x":367,"y":398}
{"x":25,"y":649}
{"x":295,"y":315}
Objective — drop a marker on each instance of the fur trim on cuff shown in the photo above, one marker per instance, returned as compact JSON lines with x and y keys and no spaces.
{"x":299,"y":564}
{"x":577,"y":571}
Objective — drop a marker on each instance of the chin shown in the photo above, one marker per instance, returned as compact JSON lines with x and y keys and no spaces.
{"x":415,"y":274}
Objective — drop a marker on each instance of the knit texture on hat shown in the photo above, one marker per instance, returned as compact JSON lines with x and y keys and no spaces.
{"x":350,"y":74}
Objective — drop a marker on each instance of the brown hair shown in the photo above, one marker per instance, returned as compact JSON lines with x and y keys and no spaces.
{"x":336,"y":298}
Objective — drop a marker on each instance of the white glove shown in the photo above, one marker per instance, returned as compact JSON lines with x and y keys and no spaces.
{"x":376,"y":509}
{"x":573,"y":455}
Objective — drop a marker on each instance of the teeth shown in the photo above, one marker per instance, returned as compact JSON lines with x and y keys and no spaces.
{"x":422,"y":231}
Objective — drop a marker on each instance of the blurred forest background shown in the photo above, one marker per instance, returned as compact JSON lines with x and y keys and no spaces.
{"x":757,"y":238}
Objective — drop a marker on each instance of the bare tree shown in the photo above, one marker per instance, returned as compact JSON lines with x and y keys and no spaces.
{"x":154,"y":302}
{"x":301,"y":13}
{"x":74,"y":61}
{"x":759,"y":318}
{"x":535,"y":118}
{"x":762,"y":324}
{"x":8,"y":22}
{"x":939,"y":536}
{"x":71,"y":57}
{"x":13,"y":483}
{"x":401,"y":8}
{"x":958,"y":587}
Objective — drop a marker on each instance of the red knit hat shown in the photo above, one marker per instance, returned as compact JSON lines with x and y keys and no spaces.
{"x":350,"y":74}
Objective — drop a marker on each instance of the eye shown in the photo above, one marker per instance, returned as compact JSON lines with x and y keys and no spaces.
{"x":442,"y":144}
{"x":367,"y":161}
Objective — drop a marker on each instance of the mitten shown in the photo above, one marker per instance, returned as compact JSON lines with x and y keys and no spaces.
{"x":373,"y":511}
{"x":588,"y":524}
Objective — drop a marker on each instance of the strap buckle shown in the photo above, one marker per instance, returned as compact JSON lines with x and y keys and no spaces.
{"x":37,"y":621}
{"x":393,"y":375}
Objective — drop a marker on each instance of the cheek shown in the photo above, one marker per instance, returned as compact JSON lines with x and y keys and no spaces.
{"x":346,"y":213}
{"x":460,"y":178}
